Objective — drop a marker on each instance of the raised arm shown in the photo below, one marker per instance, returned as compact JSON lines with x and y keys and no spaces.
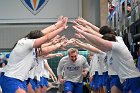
{"x":84,"y":22}
{"x":48,"y":37}
{"x":48,"y":49}
{"x":86,"y":46}
{"x":60,"y":23}
{"x":88,"y":29}
{"x":100,"y":43}
{"x":54,"y":55}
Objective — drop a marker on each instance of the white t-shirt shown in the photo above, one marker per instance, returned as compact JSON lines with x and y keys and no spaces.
{"x":122,"y":61}
{"x":45,"y":72}
{"x":39,"y":67}
{"x":94,"y":64}
{"x":72,"y":71}
{"x":101,"y":61}
{"x":21,"y":59}
{"x":111,"y":71}
{"x":39,"y":70}
{"x":120,"y":40}
{"x":97,"y":64}
{"x":1,"y":70}
{"x":109,"y":62}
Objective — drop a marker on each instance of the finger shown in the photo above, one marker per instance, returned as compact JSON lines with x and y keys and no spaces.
{"x":77,"y":29}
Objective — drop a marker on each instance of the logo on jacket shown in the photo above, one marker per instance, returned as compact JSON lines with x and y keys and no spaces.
{"x":34,"y":6}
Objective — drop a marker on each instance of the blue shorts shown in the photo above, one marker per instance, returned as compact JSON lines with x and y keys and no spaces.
{"x":25,"y":84}
{"x":10,"y":85}
{"x":105,"y":77}
{"x":73,"y":87}
{"x":43,"y":82}
{"x":132,"y":84}
{"x":113,"y":80}
{"x":97,"y":81}
{"x":34,"y":83}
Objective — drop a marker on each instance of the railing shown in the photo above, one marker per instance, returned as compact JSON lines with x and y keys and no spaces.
{"x":120,"y":18}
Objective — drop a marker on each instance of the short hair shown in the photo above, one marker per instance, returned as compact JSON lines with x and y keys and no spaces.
{"x":72,"y":50}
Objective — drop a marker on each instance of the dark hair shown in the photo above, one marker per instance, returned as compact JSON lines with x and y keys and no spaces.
{"x":113,"y":32}
{"x":34,"y":34}
{"x":109,"y":37}
{"x":104,"y":30}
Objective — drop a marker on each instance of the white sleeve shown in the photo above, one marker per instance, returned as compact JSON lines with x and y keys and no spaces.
{"x":26,"y":43}
{"x":116,"y":46}
{"x":85,"y":65}
{"x":60,"y":67}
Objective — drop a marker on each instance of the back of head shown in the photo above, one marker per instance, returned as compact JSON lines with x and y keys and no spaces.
{"x":34,"y":34}
{"x":109,"y":37}
{"x":104,"y":30}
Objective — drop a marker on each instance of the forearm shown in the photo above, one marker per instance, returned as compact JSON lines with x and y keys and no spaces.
{"x":48,"y":49}
{"x":89,"y":47}
{"x":93,"y":32}
{"x":52,"y":27}
{"x":93,"y":27}
{"x":46,"y":44}
{"x":95,"y":40}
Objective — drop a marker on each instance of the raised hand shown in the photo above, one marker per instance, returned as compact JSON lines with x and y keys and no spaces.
{"x":78,"y":35}
{"x":82,"y":21}
{"x":64,"y":43}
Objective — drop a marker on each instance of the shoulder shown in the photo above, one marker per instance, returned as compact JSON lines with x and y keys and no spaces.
{"x":64,"y":58}
{"x":117,"y":45}
{"x":24,"y":41}
{"x":82,"y":57}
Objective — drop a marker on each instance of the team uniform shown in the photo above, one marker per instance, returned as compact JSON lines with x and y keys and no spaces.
{"x":72,"y":73}
{"x":45,"y":75}
{"x":95,"y":72}
{"x":125,"y":67}
{"x":98,"y":69}
{"x":15,"y":72}
{"x":39,"y":75}
{"x":34,"y":74}
{"x":112,"y":78}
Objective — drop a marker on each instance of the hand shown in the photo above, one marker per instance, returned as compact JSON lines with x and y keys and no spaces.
{"x":71,"y":41}
{"x":65,"y":20}
{"x":82,"y":21}
{"x":62,"y":21}
{"x":78,"y":35}
{"x":64,"y":42}
{"x":62,"y":81}
{"x":55,"y":39}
